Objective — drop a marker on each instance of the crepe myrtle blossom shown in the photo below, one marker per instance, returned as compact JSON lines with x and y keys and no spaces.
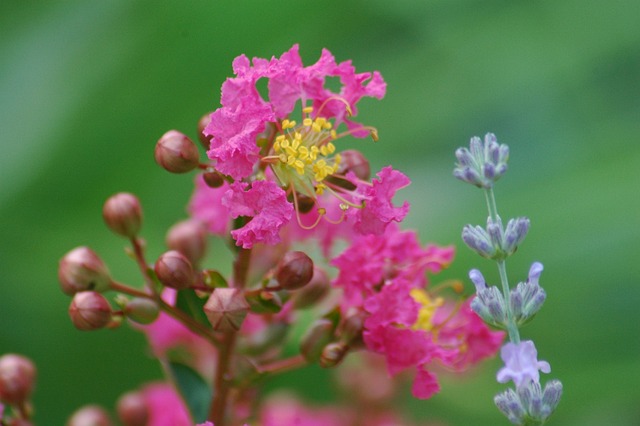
{"x":279,"y":160}
{"x":412,"y":328}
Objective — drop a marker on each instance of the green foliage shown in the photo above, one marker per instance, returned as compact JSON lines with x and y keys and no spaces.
{"x":194,"y":390}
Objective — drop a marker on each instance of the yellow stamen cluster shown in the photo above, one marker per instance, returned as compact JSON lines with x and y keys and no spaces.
{"x":307,"y":148}
{"x":427,"y":310}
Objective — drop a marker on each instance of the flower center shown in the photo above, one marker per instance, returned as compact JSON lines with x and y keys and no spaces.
{"x":305,"y":154}
{"x":427,"y":309}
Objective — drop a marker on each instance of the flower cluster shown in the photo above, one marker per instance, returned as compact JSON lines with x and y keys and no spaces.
{"x":482,"y":165}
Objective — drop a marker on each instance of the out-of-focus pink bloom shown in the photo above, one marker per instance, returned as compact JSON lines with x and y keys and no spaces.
{"x":266,"y":203}
{"x":164,"y":406}
{"x":284,"y":411}
{"x":167,"y":335}
{"x":378,"y":210}
{"x":206,"y":206}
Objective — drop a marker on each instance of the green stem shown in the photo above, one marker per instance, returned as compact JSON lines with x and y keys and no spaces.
{"x":512,"y":327}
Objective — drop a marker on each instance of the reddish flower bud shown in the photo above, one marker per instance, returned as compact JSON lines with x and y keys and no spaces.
{"x":122,"y":214}
{"x":202,"y":124}
{"x":90,"y":415}
{"x":189,"y":237}
{"x":174,"y":270}
{"x":313,"y":292}
{"x":226,"y":309}
{"x":81,"y":270}
{"x":213,"y":179}
{"x":316,"y":338}
{"x":17,"y":377}
{"x":176,"y":153}
{"x":352,"y":329}
{"x":354,"y":161}
{"x":89,"y":311}
{"x":132,"y":409}
{"x":142,"y":311}
{"x":333,"y":354}
{"x":295,"y":270}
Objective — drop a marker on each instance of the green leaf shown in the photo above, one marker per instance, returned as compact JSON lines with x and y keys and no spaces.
{"x":194,"y":390}
{"x":214,"y":279}
{"x":193,"y":305}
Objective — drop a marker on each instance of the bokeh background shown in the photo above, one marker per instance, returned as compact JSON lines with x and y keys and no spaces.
{"x":87,"y":87}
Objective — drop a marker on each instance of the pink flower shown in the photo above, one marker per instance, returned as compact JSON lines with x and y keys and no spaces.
{"x":206,"y":206}
{"x":164,"y":406}
{"x":284,"y":411}
{"x":378,"y":209}
{"x":266,"y":203}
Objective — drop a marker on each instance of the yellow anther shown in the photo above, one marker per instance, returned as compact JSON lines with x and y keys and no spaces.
{"x":291,"y":160}
{"x":283,"y":157}
{"x":344,"y":207}
{"x":320,"y":190}
{"x":292,"y":123}
{"x":316,"y":127}
{"x":323,"y":150}
{"x":427,"y":310}
{"x":331,"y":148}
{"x":284,"y":144}
{"x":307,"y":122}
{"x":276,"y":145}
{"x":285,"y":124}
{"x":334,"y":135}
{"x":338,"y":159}
{"x":307,"y":110}
{"x":295,"y":144}
{"x":327,"y":125}
{"x":299,"y":165}
{"x":374,"y":135}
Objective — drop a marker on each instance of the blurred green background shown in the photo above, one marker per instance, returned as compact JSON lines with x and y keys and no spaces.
{"x":87,"y":87}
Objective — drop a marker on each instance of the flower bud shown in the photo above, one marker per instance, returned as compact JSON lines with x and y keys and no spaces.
{"x":213,"y":179}
{"x":17,"y":377}
{"x":333,"y":354}
{"x":313,"y":342}
{"x":89,"y":311}
{"x":81,"y":270}
{"x":174,"y":270}
{"x":122,"y":214}
{"x":176,"y":153}
{"x":354,"y":161}
{"x":226,"y":309}
{"x":90,"y":415}
{"x":202,"y":124}
{"x":189,"y":238}
{"x":313,"y":292}
{"x":142,"y":311}
{"x":295,"y":270}
{"x":352,"y":328}
{"x":132,"y":409}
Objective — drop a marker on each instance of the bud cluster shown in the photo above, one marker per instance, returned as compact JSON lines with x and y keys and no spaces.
{"x":507,"y":308}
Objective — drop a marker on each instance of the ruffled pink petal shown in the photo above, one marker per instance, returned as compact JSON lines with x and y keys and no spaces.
{"x":425,"y":384}
{"x":266,"y":203}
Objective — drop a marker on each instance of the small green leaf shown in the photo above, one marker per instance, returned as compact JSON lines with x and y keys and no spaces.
{"x":214,"y":279}
{"x":193,"y":305}
{"x":194,"y":390}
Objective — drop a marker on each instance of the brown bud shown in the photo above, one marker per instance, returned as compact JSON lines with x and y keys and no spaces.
{"x":81,"y":270}
{"x":90,"y":415}
{"x":213,"y":179}
{"x":89,"y":311}
{"x":174,"y":270}
{"x":352,"y":328}
{"x":354,"y":161}
{"x":142,"y":311}
{"x":202,"y":124}
{"x":176,"y":153}
{"x":122,"y":214}
{"x":313,"y":292}
{"x":17,"y":377}
{"x":189,"y":237}
{"x":295,"y":270}
{"x":333,"y":354}
{"x":316,"y":338}
{"x":226,"y":309}
{"x":132,"y":409}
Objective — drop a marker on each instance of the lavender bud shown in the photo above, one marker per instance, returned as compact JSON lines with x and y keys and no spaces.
{"x":333,"y":354}
{"x":295,"y":270}
{"x":90,"y":415}
{"x":122,"y":214}
{"x":354,"y":161}
{"x":142,"y":311}
{"x":313,"y":342}
{"x":189,"y":238}
{"x":509,"y":403}
{"x":527,"y":298}
{"x":80,"y":270}
{"x":482,"y":164}
{"x":226,"y":309}
{"x":132,"y":409}
{"x":89,"y":311}
{"x":494,"y":230}
{"x":202,"y":124}
{"x":174,"y":270}
{"x":514,"y":234}
{"x":478,"y":240}
{"x":17,"y":377}
{"x":176,"y":153}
